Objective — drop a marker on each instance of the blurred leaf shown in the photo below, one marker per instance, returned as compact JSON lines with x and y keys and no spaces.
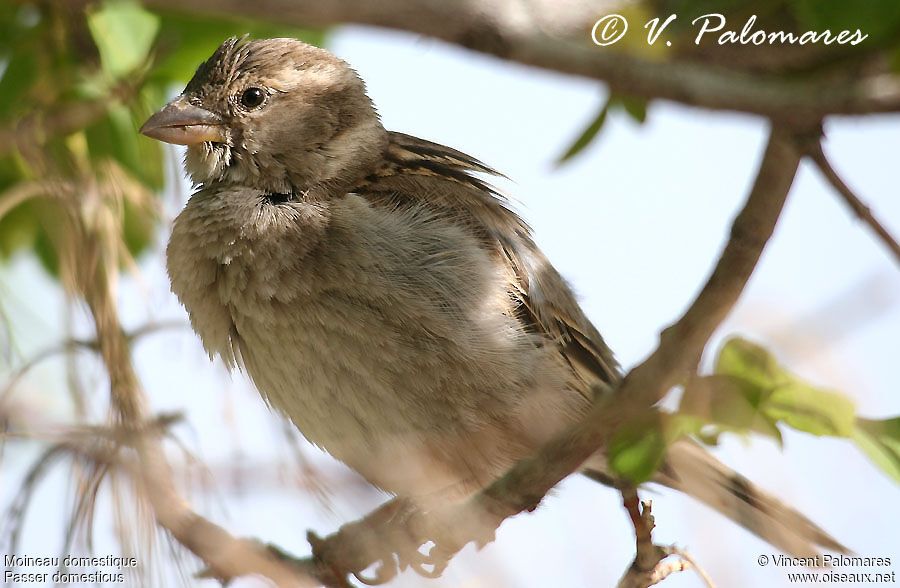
{"x":682,"y":31}
{"x":637,"y":449}
{"x":634,"y":106}
{"x":186,"y":41}
{"x":729,"y":403}
{"x":115,"y":136}
{"x":17,"y":24}
{"x":52,"y":61}
{"x":636,"y":40}
{"x":688,"y":10}
{"x":880,"y":19}
{"x":782,"y":396}
{"x":810,"y":409}
{"x":587,"y":135}
{"x":18,"y":77}
{"x":894,"y":62}
{"x":137,"y":228}
{"x":124,"y":33}
{"x":50,"y":225}
{"x":18,"y":229}
{"x":678,"y":425}
{"x":880,"y":440}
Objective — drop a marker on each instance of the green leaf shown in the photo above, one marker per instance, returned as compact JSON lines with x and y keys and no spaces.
{"x":894,"y":60}
{"x":18,"y":228}
{"x":637,"y":449}
{"x":880,"y":440}
{"x":730,"y":403}
{"x":115,"y":136}
{"x":18,"y":77}
{"x":813,"y":410}
{"x":123,"y":32}
{"x":186,"y":41}
{"x":138,"y":227}
{"x":879,"y":19}
{"x":587,"y":135}
{"x":635,"y":106}
{"x":51,"y":225}
{"x":780,"y":395}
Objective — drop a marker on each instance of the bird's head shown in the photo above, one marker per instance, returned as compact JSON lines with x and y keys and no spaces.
{"x":274,"y":114}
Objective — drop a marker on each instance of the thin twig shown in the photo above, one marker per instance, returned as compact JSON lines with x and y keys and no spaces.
{"x":648,"y":567}
{"x":72,"y":344}
{"x":815,"y":152}
{"x":697,"y":567}
{"x":664,"y":569}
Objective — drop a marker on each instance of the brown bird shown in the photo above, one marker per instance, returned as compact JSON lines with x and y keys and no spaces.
{"x":383,"y":297}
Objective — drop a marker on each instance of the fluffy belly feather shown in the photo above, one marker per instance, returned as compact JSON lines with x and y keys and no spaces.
{"x":418,"y":380}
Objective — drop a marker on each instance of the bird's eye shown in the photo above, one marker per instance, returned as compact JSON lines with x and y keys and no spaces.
{"x":252,"y":97}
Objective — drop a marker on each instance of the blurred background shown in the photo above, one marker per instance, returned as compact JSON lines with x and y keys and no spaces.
{"x":634,"y":221}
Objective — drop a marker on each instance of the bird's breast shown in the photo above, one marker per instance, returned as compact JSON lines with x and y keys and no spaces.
{"x":378,"y":333}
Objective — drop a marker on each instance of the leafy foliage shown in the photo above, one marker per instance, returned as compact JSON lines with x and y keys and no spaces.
{"x":880,"y":440}
{"x":74,"y":89}
{"x":750,"y":392}
{"x":880,"y":19}
{"x":638,"y":448}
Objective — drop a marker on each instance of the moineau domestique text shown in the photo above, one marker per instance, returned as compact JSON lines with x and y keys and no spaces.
{"x":69,"y":561}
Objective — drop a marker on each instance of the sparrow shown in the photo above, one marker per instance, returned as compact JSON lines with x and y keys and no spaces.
{"x":386,"y":298}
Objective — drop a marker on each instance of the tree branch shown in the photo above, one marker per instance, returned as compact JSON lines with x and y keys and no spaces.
{"x":650,"y":566}
{"x":70,"y":345}
{"x":861,"y":210}
{"x":682,"y":343}
{"x":541,"y":33}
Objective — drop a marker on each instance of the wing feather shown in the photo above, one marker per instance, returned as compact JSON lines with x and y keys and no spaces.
{"x":543,"y":302}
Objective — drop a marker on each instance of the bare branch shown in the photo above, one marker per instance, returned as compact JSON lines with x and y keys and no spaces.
{"x":647,"y":555}
{"x":861,"y":210}
{"x":647,"y":568}
{"x":651,"y":564}
{"x":544,"y":34}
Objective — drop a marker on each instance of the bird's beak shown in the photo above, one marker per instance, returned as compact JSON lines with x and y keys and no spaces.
{"x":183,"y":123}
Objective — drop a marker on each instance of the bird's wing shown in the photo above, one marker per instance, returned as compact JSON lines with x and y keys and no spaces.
{"x":544,"y":304}
{"x":542,"y":301}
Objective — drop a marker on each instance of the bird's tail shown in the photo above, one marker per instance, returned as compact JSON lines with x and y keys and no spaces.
{"x":693,"y":470}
